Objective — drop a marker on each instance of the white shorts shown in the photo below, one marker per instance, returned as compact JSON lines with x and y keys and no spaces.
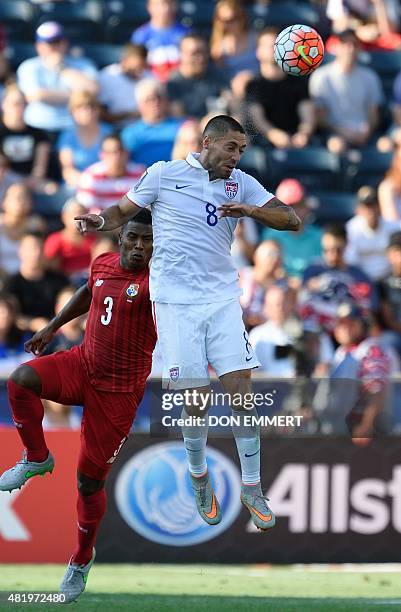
{"x":194,"y":336}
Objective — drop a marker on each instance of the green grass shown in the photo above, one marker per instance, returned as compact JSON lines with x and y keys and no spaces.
{"x":211,"y":588}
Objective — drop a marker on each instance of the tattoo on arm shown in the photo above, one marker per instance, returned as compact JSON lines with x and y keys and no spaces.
{"x":292,"y":218}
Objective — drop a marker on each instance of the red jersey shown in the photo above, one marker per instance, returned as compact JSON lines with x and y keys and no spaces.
{"x":120,"y":334}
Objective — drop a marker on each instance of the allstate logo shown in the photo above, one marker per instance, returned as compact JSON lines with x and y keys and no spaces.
{"x":154,"y":495}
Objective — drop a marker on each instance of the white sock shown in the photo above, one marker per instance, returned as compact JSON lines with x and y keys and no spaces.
{"x":247,"y":439}
{"x":195,"y":439}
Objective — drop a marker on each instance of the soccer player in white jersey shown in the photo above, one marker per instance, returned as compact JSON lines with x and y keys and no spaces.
{"x":195,"y":206}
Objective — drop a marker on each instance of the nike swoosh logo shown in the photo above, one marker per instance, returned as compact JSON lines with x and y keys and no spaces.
{"x":253,"y":454}
{"x":303,"y":54}
{"x":182,"y":186}
{"x":248,"y":358}
{"x":213,"y":512}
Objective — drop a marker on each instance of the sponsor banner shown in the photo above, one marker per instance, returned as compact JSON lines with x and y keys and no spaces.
{"x":38,"y":522}
{"x":335,"y":502}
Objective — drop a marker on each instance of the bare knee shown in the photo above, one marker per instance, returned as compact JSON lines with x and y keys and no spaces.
{"x":89,"y":486}
{"x":27,"y":377}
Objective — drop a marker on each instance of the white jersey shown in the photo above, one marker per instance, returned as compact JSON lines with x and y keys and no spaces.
{"x":192,"y":261}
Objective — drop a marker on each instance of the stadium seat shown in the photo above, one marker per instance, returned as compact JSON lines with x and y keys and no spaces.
{"x":364,"y":167}
{"x":122,"y":17}
{"x":254,"y":162}
{"x":17,"y":52}
{"x":315,"y":167}
{"x":332,"y":206}
{"x":282,"y":14}
{"x":387,"y":64}
{"x":17,"y":17}
{"x":102,"y":54}
{"x":49,"y":206}
{"x":81,"y":18}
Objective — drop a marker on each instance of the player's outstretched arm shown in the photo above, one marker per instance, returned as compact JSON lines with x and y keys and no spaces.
{"x":274,"y":214}
{"x":110,"y":219}
{"x":76,"y":306}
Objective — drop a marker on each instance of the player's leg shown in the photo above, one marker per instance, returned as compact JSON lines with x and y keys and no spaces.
{"x":181,"y":335}
{"x":232,"y":356}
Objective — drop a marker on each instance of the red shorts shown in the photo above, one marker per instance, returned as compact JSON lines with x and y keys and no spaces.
{"x":107,"y":416}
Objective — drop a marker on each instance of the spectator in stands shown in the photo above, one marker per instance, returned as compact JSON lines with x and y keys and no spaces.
{"x":348,"y":97}
{"x":4,"y":64}
{"x":118,"y":83}
{"x":79,"y":146}
{"x":390,"y":294}
{"x":389,"y":191}
{"x":188,"y":140}
{"x":15,"y":220}
{"x":266,"y":272}
{"x":7,"y":176}
{"x":193,"y":88}
{"x":368,"y":235}
{"x":394,"y":132}
{"x":232,"y":44}
{"x":105,"y":242}
{"x":12,"y":338}
{"x":49,"y":79}
{"x":305,"y":245}
{"x":71,"y":334}
{"x":34,"y":286}
{"x":26,"y":148}
{"x":104,"y":183}
{"x":161,"y":36}
{"x":68,"y":251}
{"x":234,"y":98}
{"x":151,"y":138}
{"x":332,"y":281}
{"x":278,"y":104}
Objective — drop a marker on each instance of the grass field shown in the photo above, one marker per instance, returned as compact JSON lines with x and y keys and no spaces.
{"x":214,"y":588}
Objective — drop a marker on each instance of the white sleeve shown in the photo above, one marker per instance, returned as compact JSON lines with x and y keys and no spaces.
{"x":254,"y":193}
{"x":146,"y":190}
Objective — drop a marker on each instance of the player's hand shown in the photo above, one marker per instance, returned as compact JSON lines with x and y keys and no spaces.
{"x":234,"y":210}
{"x":39,"y":341}
{"x":88,"y":223}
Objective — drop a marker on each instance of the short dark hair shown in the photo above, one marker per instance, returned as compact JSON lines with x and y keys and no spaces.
{"x":220,"y":125}
{"x":274,"y":30}
{"x":114,"y":136}
{"x":138,"y":50}
{"x":336,"y":230}
{"x":144,"y":216}
{"x":194,"y":36}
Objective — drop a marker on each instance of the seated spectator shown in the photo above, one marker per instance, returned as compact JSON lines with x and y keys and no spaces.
{"x":390,"y":295}
{"x":197,"y":83}
{"x":266,"y":272}
{"x":49,"y":79}
{"x":278,"y":104}
{"x":118,"y":82}
{"x":347,"y":96}
{"x":27,"y":148}
{"x":7,"y":177}
{"x":304,"y":246}
{"x":232,"y":44}
{"x":234,"y":98}
{"x":161,"y":36}
{"x":72,"y":333}
{"x":188,"y":140}
{"x":368,"y":235}
{"x":12,"y":339}
{"x":389,"y":192}
{"x":68,"y":251}
{"x":332,"y":281}
{"x":35,"y":287}
{"x":79,"y":146}
{"x":151,"y":138}
{"x":15,"y":220}
{"x":104,"y":183}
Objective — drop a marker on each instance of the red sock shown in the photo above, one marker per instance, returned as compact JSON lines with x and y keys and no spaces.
{"x":91,"y":509}
{"x":28,"y":415}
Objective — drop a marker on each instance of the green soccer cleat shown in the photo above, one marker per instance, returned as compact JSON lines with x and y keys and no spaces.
{"x":252,"y":498}
{"x":206,"y":501}
{"x":17,"y":476}
{"x":74,"y":581}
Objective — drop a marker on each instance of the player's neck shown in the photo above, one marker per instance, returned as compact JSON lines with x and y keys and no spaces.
{"x":203,"y":159}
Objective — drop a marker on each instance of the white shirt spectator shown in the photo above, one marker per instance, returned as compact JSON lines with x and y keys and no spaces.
{"x":117,"y":90}
{"x":264,"y":339}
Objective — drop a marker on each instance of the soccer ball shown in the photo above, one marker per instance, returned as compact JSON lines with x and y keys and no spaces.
{"x":298,"y":50}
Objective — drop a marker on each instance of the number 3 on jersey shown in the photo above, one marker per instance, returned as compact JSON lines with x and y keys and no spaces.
{"x":211,"y":217}
{"x":106,"y":318}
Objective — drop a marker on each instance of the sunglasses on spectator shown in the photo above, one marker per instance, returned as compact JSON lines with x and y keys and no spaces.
{"x":337,"y":249}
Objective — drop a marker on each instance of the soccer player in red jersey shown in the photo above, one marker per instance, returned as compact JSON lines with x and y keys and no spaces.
{"x":106,"y":374}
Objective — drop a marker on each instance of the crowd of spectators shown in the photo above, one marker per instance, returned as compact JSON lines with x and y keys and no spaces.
{"x":91,"y":131}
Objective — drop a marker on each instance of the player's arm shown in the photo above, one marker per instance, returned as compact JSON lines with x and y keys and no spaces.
{"x":274,"y":214}
{"x":110,"y":219}
{"x":76,"y":306}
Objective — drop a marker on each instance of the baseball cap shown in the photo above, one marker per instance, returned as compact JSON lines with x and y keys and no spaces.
{"x":50,"y":31}
{"x":290,"y":191}
{"x":395,"y":240}
{"x":348,"y":310}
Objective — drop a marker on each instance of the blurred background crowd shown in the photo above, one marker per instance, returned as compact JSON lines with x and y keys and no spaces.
{"x":92,"y":92}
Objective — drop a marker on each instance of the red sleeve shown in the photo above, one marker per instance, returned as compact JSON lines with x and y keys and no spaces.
{"x":52,"y":245}
{"x":375,"y":370}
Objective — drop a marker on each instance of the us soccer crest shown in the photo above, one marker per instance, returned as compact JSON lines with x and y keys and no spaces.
{"x":132,"y":290}
{"x":174,"y":373}
{"x":231,"y":188}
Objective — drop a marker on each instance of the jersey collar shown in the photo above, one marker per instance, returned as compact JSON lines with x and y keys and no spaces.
{"x":193,"y":160}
